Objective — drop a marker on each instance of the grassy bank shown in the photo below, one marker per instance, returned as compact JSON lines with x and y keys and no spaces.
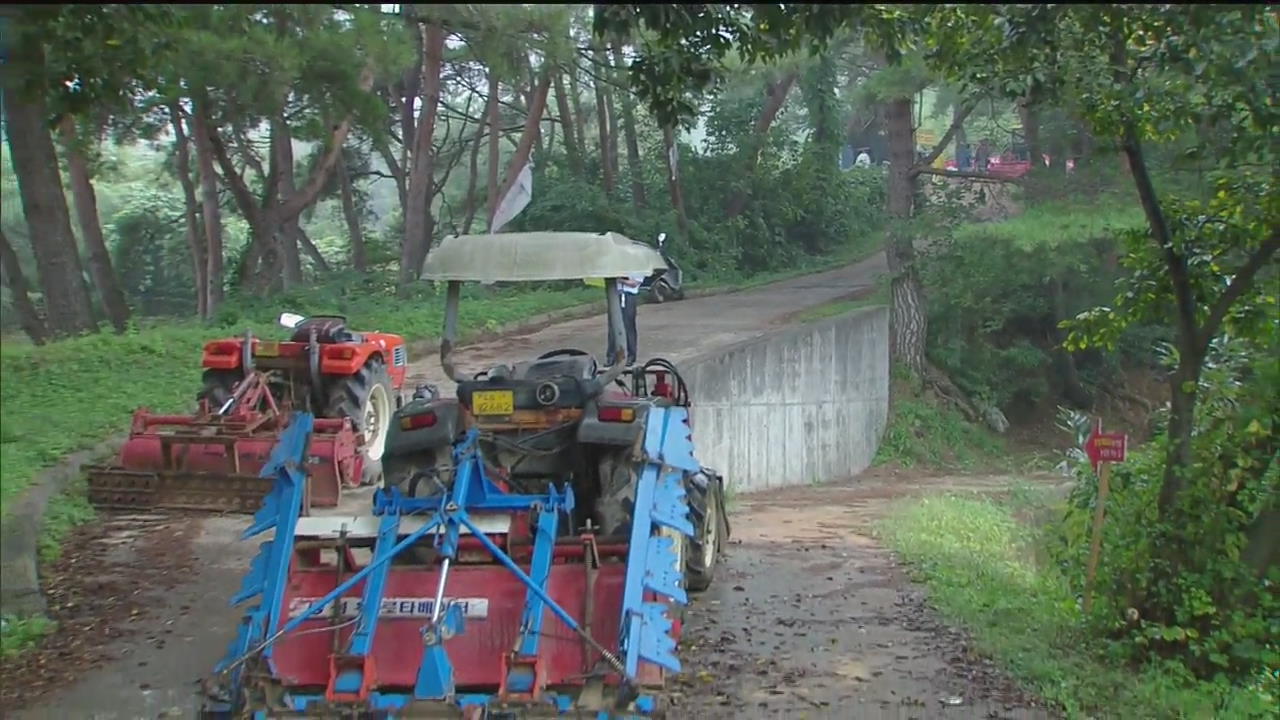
{"x":979,"y":563}
{"x":924,"y":432}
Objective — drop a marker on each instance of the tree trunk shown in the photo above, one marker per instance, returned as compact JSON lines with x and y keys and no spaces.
{"x":194,"y":242}
{"x":775,"y":98}
{"x":417,"y":215}
{"x":493,"y":144}
{"x":473,"y":202}
{"x":633,"y":146}
{"x":602,"y":125}
{"x":86,"y":202}
{"x":908,"y":315}
{"x":532,"y":125}
{"x":313,"y":252}
{"x":355,"y":233}
{"x":20,"y":293}
{"x":285,"y":234}
{"x":1072,"y":388}
{"x":35,"y":163}
{"x":539,"y":140}
{"x":579,"y":117}
{"x":411,"y":80}
{"x":607,"y":73}
{"x":397,"y":173}
{"x":571,"y":151}
{"x":673,"y":181}
{"x":1030,"y":118}
{"x":1183,"y":383}
{"x":211,"y":211}
{"x":279,"y":210}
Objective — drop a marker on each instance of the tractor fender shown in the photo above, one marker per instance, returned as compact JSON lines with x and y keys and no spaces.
{"x":594,"y":431}
{"x":394,"y":352}
{"x":343,"y":359}
{"x":403,"y":438}
{"x":222,"y":354}
{"x":413,"y":448}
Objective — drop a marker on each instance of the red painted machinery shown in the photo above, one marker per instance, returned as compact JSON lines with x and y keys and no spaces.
{"x":210,"y":460}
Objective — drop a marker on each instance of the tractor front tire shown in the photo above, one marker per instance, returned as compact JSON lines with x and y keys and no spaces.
{"x":219,"y":386}
{"x":366,"y":397}
{"x":711,"y":528}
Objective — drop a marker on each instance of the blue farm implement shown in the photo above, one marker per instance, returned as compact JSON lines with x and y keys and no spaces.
{"x":526,"y":554}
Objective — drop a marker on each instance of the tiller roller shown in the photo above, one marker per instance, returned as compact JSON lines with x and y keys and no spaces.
{"x":211,"y":460}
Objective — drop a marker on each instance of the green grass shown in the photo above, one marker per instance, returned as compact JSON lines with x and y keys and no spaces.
{"x":836,"y":308}
{"x":63,"y":513}
{"x":1050,"y":224}
{"x":19,"y":634}
{"x":978,"y":563}
{"x":922,"y":432}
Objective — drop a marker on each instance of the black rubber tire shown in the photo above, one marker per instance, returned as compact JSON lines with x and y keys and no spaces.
{"x":677,"y":294}
{"x":710,"y":524}
{"x":347,"y":396}
{"x":218,"y":386}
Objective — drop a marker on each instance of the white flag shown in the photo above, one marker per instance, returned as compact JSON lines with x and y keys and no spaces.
{"x":516,"y":199}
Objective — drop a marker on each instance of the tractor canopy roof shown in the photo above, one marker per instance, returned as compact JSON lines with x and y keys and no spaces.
{"x":537,"y":256}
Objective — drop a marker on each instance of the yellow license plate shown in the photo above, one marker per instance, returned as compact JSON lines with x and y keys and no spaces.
{"x":493,"y":402}
{"x":267,"y":349}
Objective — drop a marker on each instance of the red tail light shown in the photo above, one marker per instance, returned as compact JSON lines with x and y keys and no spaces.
{"x":339,"y":353}
{"x":419,"y":421}
{"x":616,"y":414}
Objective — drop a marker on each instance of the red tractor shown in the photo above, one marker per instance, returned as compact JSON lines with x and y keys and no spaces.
{"x":349,"y":380}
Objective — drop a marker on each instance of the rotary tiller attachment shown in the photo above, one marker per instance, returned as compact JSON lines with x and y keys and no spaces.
{"x":210,"y":461}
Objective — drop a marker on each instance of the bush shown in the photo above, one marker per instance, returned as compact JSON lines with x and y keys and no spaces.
{"x":997,"y":292}
{"x":1183,"y":587}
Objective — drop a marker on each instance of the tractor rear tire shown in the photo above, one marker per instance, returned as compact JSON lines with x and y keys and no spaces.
{"x":367,"y":398}
{"x":219,"y":386}
{"x":711,"y":527}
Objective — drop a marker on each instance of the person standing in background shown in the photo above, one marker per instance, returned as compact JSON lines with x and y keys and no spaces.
{"x":983,"y":157}
{"x":629,"y":294}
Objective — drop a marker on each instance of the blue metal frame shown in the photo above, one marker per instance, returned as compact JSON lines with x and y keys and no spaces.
{"x":645,"y":630}
{"x":269,"y":569}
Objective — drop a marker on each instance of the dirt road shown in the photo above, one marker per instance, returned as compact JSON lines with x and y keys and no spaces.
{"x":810,"y":617}
{"x":673,"y":330}
{"x":142,"y":601}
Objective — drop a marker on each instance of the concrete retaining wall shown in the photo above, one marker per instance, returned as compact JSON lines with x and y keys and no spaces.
{"x":801,"y":405}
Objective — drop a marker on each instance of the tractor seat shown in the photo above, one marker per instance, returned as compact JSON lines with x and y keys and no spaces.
{"x":329,"y":331}
{"x":581,"y":367}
